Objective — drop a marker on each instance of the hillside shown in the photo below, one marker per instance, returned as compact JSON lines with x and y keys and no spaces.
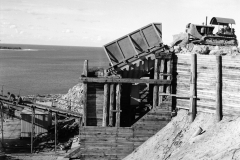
{"x":218,"y":141}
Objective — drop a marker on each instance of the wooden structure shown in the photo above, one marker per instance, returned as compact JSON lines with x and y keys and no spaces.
{"x":217,"y":83}
{"x":121,"y":110}
{"x":119,"y":113}
{"x":30,"y":120}
{"x":42,"y":122}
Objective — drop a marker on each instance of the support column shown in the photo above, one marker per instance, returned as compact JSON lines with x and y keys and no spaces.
{"x":161,"y":77}
{"x":193,"y":91}
{"x":155,"y":88}
{"x":80,"y":125}
{"x":111,"y":107}
{"x":118,"y":104}
{"x":2,"y":120}
{"x":85,"y":74}
{"x":105,"y":105}
{"x":33,"y":127}
{"x":55,"y":137}
{"x":219,"y":113}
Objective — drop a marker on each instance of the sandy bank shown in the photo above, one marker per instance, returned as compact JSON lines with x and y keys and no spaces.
{"x":218,"y":141}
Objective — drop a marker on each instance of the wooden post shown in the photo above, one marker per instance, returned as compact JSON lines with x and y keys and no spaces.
{"x":80,"y":125}
{"x":161,"y":87}
{"x":55,"y":138}
{"x":52,"y":103}
{"x":155,"y":88}
{"x":2,"y":121}
{"x":193,"y":91}
{"x":169,"y":87}
{"x":33,"y":127}
{"x":105,"y":105}
{"x":111,"y":108}
{"x":219,"y":88}
{"x":118,"y":104}
{"x":85,"y":73}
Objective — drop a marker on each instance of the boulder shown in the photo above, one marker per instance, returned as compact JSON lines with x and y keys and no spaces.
{"x":200,"y":49}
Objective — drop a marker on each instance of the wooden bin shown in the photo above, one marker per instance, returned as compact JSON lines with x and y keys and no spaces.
{"x":42,"y":122}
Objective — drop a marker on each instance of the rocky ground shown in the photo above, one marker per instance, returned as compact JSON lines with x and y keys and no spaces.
{"x":176,"y":141}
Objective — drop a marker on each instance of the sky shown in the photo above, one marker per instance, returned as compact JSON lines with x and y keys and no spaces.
{"x":98,"y":22}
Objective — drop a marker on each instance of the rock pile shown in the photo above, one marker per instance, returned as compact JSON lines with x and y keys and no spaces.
{"x":72,"y":100}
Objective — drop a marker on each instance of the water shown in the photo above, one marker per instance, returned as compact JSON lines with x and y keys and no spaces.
{"x":41,"y":69}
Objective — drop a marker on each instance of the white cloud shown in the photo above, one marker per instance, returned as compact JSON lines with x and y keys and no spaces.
{"x":67,"y":31}
{"x":12,"y":26}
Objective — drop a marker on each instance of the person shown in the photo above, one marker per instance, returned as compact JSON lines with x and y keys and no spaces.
{"x":11,"y":97}
{"x":11,"y":110}
{"x":19,"y":100}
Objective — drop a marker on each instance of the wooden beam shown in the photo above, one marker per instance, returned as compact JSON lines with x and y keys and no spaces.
{"x":80,"y":126}
{"x":155,"y":88}
{"x":193,"y":90}
{"x":175,"y":95}
{"x":161,"y":77}
{"x":2,"y":121}
{"x":105,"y":105}
{"x":118,"y":104}
{"x":85,"y":73}
{"x":40,"y":107}
{"x":112,"y":97}
{"x":219,"y":88}
{"x":122,"y":80}
{"x":33,"y":128}
{"x":55,"y":137}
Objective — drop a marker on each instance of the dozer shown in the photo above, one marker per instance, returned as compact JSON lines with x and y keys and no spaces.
{"x":203,"y":34}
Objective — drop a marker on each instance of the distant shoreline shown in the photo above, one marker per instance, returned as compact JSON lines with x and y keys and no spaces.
{"x":10,"y":48}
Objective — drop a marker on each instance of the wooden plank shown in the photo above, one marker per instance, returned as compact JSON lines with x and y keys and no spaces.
{"x":118,"y":104}
{"x":122,"y":80}
{"x":112,"y":100}
{"x":84,"y":97}
{"x":161,"y":77}
{"x":105,"y":105}
{"x":155,"y":88}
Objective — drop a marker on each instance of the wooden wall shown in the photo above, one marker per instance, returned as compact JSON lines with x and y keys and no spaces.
{"x":206,"y":83}
{"x":95,"y":104}
{"x":103,"y":143}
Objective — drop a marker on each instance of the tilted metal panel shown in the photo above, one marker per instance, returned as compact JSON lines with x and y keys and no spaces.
{"x":134,"y":44}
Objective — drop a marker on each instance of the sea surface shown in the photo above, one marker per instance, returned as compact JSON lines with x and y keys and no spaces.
{"x":43,"y":69}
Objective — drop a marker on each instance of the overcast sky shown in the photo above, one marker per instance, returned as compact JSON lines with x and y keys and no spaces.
{"x":97,"y":22}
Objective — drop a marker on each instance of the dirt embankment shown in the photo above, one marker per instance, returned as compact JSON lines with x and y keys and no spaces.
{"x":217,"y":141}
